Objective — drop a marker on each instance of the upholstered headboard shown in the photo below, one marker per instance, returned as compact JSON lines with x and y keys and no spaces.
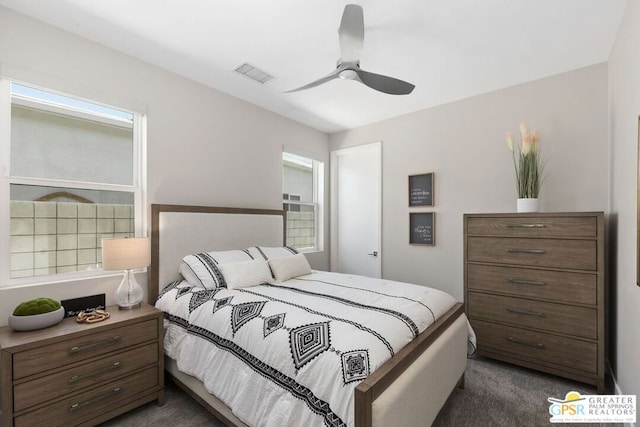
{"x":179,"y":230}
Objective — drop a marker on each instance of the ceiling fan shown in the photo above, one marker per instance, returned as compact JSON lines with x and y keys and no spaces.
{"x":351,"y":36}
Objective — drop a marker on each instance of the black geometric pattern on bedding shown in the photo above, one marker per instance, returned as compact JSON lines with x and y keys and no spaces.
{"x":273,"y":323}
{"x":213,"y":270}
{"x":355,"y":365}
{"x":200,"y":297}
{"x":308,"y":342}
{"x":242,"y":313}
{"x":169,"y":287}
{"x":329,"y":316}
{"x":183,"y":291}
{"x":316,"y":405}
{"x":372,"y":292}
{"x":403,"y":317}
{"x":183,"y":323}
{"x":222,"y":302}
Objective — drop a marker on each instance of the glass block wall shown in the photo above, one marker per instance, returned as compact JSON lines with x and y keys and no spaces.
{"x":60,"y":237}
{"x":301,"y":228}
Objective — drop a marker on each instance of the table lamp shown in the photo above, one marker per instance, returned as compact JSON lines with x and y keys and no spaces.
{"x":126,"y":254}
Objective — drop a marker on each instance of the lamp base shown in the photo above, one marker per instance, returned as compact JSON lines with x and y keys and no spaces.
{"x":129,"y":294}
{"x":131,"y":307}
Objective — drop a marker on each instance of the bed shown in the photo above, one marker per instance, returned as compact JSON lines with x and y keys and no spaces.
{"x":408,"y":389}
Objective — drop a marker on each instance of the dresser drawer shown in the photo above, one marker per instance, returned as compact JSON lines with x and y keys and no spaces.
{"x":568,"y":254}
{"x":84,"y":406}
{"x":518,"y":226}
{"x":565,"y":319}
{"x":559,"y":286}
{"x":78,"y":378}
{"x":43,"y":358}
{"x":537,"y":346}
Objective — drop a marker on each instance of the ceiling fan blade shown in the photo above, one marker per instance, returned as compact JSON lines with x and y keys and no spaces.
{"x":333,"y":75}
{"x":351,"y":33}
{"x":385,"y":84}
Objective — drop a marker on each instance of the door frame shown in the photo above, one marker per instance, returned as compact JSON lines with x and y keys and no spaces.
{"x":334,"y":224}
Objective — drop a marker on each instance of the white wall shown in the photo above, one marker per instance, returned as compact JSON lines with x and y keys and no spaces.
{"x":204,"y":147}
{"x":624,"y":69}
{"x":463,"y":143}
{"x":50,"y":145}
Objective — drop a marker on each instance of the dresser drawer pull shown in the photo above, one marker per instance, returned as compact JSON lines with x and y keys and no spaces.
{"x":525,"y":251}
{"x":76,"y":378}
{"x":78,"y":349}
{"x":105,"y":396}
{"x":529,"y":344}
{"x":525,"y":225}
{"x":526,"y":313}
{"x":524,"y":282}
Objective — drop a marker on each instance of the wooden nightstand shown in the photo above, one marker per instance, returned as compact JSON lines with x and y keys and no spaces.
{"x":82,"y":374}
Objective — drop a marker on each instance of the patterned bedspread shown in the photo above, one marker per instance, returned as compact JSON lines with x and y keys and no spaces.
{"x":292,"y":353}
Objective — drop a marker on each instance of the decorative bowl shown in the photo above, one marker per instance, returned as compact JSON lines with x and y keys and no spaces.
{"x":36,"y":321}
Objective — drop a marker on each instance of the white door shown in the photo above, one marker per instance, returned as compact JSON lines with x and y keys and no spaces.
{"x":356,"y":189}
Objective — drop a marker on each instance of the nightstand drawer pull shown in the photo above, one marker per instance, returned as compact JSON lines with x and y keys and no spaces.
{"x":526,"y":313}
{"x":529,"y":344}
{"x":524,"y":282}
{"x":107,"y":395}
{"x":78,"y":349}
{"x":76,"y":378}
{"x":525,"y":225}
{"x":525,"y":251}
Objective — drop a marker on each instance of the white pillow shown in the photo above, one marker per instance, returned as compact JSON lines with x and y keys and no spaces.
{"x":267,"y":252}
{"x":205,"y":266}
{"x":284,"y":268}
{"x":246,"y":273}
{"x":187,"y":273}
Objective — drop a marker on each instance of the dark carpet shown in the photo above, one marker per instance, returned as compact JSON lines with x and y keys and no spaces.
{"x":495,"y":394}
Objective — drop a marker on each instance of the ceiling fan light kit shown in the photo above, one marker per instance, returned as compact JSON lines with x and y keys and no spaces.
{"x":348,"y":75}
{"x":351,"y":37}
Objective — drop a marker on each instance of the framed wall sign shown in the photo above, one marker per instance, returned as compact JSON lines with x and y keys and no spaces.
{"x":421,"y":189}
{"x":422,"y":229}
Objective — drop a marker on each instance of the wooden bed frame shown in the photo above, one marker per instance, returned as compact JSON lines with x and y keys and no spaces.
{"x":408,"y":389}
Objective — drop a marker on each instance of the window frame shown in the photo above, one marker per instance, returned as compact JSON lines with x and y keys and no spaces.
{"x":137,"y":188}
{"x":317,"y":195}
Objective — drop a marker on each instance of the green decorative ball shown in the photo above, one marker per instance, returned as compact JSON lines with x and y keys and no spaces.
{"x":36,"y":306}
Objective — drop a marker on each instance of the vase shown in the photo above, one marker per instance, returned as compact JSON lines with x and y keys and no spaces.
{"x":36,"y":321}
{"x":527,"y":205}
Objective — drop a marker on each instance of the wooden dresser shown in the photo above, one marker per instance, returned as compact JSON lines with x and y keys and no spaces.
{"x":535,"y":291}
{"x":82,"y":374}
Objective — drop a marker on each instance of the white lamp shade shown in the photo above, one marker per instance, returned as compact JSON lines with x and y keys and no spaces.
{"x":125,"y":254}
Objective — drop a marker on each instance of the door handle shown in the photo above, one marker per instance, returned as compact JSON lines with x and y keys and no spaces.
{"x":374,"y":253}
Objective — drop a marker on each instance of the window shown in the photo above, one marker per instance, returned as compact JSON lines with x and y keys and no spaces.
{"x":302,"y":180}
{"x":75,"y":174}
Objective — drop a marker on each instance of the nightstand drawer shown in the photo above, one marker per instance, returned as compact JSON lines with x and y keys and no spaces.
{"x":85,"y":406}
{"x":518,"y":226}
{"x":580,"y":288}
{"x":537,"y":346}
{"x":78,"y":378}
{"x":568,"y":254}
{"x":43,"y":358}
{"x":559,"y":318}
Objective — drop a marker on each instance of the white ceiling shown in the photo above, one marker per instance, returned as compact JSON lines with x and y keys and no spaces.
{"x":450,"y":49}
